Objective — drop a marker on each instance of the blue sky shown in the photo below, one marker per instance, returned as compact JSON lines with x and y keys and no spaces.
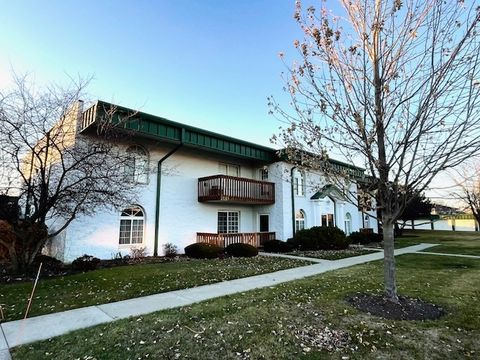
{"x":207,"y":63}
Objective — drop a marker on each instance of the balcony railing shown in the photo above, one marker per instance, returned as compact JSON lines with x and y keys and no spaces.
{"x":223,"y":188}
{"x":223,"y":240}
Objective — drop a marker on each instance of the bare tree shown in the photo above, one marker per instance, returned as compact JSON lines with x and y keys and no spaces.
{"x":56,"y":172}
{"x":392,"y":85}
{"x":468,"y":189}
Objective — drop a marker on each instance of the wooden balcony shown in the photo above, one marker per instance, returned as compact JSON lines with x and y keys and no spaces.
{"x":223,"y":240}
{"x":235,"y":190}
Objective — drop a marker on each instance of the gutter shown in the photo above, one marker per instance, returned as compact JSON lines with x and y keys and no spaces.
{"x":293,"y":200}
{"x":159,"y":185}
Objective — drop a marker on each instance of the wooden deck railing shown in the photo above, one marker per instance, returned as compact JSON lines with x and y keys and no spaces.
{"x":223,"y":240}
{"x":235,"y":189}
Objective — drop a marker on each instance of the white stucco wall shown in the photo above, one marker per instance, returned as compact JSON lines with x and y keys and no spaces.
{"x":313,"y":209}
{"x":182,"y":216}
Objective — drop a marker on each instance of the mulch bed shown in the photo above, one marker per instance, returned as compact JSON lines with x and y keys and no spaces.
{"x":405,"y":309}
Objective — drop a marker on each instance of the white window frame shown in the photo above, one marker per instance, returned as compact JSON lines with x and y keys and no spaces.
{"x":263,"y":174}
{"x":367,"y":221}
{"x":229,"y":169}
{"x":230,"y":222}
{"x":348,"y":223}
{"x":327,"y":217}
{"x":299,"y":184}
{"x":300,"y":221}
{"x":137,"y":164}
{"x":132,"y":220}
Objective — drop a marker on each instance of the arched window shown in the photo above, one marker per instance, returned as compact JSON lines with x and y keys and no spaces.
{"x":348,"y":223}
{"x":132,"y":222}
{"x":136,"y":166}
{"x":299,"y":220}
{"x":366,"y":222}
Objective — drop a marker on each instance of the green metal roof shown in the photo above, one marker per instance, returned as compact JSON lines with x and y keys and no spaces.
{"x":161,"y":129}
{"x":158,"y":128}
{"x":330,"y":191}
{"x":350,"y":169}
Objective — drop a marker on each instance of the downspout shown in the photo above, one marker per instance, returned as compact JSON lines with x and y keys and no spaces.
{"x":159,"y":185}
{"x":293,"y":200}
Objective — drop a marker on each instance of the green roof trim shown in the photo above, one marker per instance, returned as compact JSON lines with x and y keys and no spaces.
{"x":352,"y":170}
{"x":328,"y":191}
{"x":158,"y":128}
{"x":161,"y":129}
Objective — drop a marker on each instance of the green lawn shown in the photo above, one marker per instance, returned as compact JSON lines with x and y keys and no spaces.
{"x":284,"y":322}
{"x":458,"y":242}
{"x":125,"y":282}
{"x":332,"y":254}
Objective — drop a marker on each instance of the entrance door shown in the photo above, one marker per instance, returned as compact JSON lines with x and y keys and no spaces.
{"x":328,"y":217}
{"x":264,"y":223}
{"x":264,"y":228}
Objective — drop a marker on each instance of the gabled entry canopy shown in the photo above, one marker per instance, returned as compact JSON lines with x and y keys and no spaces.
{"x":329,"y":191}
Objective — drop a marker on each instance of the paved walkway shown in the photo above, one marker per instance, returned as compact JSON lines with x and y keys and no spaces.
{"x":19,"y":332}
{"x":315,"y":260}
{"x":445,"y":254}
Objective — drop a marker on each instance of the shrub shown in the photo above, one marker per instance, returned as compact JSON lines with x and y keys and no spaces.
{"x":357,"y":237}
{"x":170,"y":250}
{"x":138,"y":252}
{"x":364,"y":238}
{"x":85,"y":263}
{"x":203,"y":251}
{"x":277,"y":246}
{"x":118,"y":259}
{"x":321,"y":238}
{"x":49,"y":264}
{"x":241,"y":250}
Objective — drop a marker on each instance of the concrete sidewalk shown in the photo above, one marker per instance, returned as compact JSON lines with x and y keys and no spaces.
{"x":19,"y":332}
{"x":448,"y":254}
{"x":285,"y":256}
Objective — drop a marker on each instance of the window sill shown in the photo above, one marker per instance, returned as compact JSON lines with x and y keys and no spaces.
{"x":128,"y":246}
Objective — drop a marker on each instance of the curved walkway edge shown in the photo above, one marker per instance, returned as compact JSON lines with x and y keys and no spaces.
{"x":20,"y":332}
{"x":449,"y":254}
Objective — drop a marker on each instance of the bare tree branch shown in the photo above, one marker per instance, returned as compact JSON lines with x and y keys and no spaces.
{"x":392,"y":85}
{"x":57,"y":172}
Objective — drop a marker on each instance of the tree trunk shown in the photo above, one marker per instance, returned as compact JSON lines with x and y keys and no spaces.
{"x":398,"y":231}
{"x":389,"y":262}
{"x":12,"y":254}
{"x":476,"y":220}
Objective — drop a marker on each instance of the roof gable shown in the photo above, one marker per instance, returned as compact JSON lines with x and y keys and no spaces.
{"x":329,"y":191}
